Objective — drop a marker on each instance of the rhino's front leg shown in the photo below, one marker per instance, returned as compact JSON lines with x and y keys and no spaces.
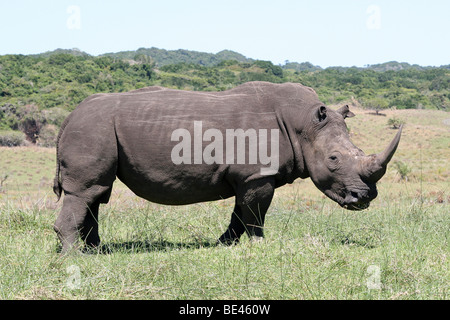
{"x":252,"y":201}
{"x":89,"y":230}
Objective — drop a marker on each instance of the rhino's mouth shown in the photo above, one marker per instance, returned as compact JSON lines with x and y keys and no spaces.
{"x":356,"y":206}
{"x":352,"y":201}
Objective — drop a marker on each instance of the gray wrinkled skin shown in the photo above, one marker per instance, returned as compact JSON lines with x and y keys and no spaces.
{"x":128,"y":136}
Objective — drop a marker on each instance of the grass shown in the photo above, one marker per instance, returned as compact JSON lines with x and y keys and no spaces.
{"x":396,"y":249}
{"x":312,"y":253}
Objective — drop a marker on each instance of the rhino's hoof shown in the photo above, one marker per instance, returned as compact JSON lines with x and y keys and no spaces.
{"x":227,"y":241}
{"x":256,"y":239}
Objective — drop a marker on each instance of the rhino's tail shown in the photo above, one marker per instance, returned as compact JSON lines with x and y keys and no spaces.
{"x":57,"y":187}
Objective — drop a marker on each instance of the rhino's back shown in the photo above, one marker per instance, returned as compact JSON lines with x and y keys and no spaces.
{"x":245,"y":106}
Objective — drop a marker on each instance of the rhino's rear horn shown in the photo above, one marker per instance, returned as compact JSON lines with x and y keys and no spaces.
{"x":376,"y":166}
{"x":345,"y":112}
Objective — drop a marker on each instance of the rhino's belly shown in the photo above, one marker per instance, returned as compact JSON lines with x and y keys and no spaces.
{"x":168,"y":194}
{"x":175,"y":185}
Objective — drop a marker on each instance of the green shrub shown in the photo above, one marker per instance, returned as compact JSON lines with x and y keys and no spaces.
{"x":395,"y":122}
{"x":403,"y":169}
{"x":54,"y":116}
{"x":11,"y":138}
{"x":47,"y":136}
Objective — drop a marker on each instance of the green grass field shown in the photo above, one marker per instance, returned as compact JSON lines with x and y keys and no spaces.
{"x":396,"y":249}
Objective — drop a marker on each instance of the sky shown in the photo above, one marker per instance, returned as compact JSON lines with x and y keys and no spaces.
{"x":323,"y":32}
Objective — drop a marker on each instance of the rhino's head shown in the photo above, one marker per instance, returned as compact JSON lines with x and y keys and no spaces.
{"x":336,"y":166}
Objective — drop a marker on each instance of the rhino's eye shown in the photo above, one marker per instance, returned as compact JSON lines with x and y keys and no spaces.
{"x":333,"y":162}
{"x":333,"y":158}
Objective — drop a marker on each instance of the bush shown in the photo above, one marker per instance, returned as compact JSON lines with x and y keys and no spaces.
{"x":47,"y":136}
{"x":395,"y":122}
{"x":403,"y":169}
{"x":11,"y":138}
{"x":54,"y":116}
{"x":31,"y":121}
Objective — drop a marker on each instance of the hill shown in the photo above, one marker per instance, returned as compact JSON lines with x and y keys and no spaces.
{"x":395,"y":66}
{"x":162,"y":57}
{"x":74,"y":52}
{"x":304,"y":66}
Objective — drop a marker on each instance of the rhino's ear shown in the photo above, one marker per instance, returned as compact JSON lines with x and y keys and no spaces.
{"x":322,"y":113}
{"x":345,"y":112}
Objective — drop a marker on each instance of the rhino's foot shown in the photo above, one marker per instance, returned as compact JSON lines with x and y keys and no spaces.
{"x":227,"y":240}
{"x":256,"y":239}
{"x":92,"y":247}
{"x":68,"y":248}
{"x":91,"y":241}
{"x":92,"y":250}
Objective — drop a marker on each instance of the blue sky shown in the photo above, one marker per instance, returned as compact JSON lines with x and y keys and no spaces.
{"x":323,"y":32}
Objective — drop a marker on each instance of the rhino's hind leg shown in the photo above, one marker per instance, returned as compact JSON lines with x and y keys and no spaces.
{"x":252,"y":202}
{"x":89,"y":230}
{"x":79,"y":215}
{"x":235,"y":229}
{"x":70,"y":221}
{"x":78,"y":219}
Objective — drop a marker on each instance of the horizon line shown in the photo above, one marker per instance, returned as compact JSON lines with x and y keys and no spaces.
{"x":365,"y":66}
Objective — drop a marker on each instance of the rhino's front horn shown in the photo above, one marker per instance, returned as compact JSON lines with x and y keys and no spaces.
{"x":375,"y":167}
{"x":387,"y":154}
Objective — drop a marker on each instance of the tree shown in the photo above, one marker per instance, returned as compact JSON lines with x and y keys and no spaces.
{"x":395,"y":122}
{"x":377,"y":104}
